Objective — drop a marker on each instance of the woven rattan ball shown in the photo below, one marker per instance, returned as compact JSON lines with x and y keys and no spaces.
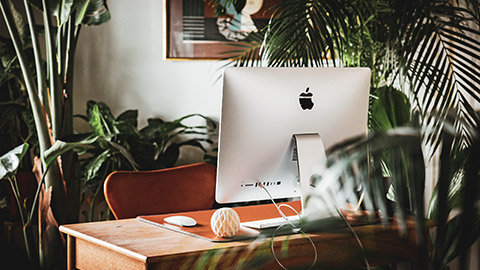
{"x":225,"y":222}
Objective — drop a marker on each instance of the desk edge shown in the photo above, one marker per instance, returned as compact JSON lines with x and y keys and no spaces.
{"x":126,"y":252}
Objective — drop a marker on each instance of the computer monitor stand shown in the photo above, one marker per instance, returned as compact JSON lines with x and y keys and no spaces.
{"x":311,"y":159}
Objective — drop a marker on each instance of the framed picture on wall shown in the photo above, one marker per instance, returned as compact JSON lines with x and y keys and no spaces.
{"x":194,"y":32}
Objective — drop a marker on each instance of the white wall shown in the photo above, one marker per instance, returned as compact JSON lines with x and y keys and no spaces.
{"x":121,"y":63}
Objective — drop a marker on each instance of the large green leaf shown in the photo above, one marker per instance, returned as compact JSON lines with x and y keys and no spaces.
{"x":458,"y":158}
{"x":100,"y":118}
{"x":449,"y":247}
{"x":95,"y":13}
{"x":389,"y":109}
{"x":125,"y":131}
{"x":10,"y":161}
{"x":125,"y":154}
{"x":20,"y":24}
{"x":60,"y":147}
{"x":169,"y":156}
{"x":80,"y":8}
{"x":59,"y":8}
{"x":93,"y":169}
{"x":89,"y":12}
{"x":129,"y":116}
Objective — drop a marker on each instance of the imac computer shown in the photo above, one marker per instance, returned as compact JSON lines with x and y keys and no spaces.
{"x":267,"y":113}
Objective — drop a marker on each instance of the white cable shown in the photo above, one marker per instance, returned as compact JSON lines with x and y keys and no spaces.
{"x":357,"y":239}
{"x":309,"y":239}
{"x":296,"y":229}
{"x":278,"y":206}
{"x":353,"y":232}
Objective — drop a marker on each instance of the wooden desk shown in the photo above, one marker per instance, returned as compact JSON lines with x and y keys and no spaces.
{"x":133,"y":244}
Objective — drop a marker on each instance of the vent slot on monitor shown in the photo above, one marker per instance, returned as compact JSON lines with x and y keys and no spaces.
{"x":265,"y":183}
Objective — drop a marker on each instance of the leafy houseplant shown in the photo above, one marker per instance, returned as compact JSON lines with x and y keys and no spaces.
{"x":17,"y":124}
{"x":50,"y":91}
{"x":124,"y":147}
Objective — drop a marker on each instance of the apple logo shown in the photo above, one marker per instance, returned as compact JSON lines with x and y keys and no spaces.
{"x":306,"y":100}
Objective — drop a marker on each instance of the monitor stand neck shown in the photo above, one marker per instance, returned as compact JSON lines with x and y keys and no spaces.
{"x":311,"y":159}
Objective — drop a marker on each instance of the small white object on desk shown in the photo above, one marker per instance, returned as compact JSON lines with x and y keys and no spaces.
{"x":225,"y":222}
{"x":181,"y":221}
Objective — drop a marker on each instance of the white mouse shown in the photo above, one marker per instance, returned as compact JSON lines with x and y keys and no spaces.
{"x":181,"y":221}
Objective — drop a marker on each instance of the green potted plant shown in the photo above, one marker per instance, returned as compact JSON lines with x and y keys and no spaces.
{"x":50,"y":92}
{"x":122,"y":146}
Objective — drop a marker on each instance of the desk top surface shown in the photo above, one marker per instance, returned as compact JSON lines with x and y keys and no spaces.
{"x":141,"y":239}
{"x":147,"y":242}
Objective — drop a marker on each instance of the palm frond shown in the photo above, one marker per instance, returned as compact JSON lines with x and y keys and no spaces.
{"x":432,"y":45}
{"x":300,"y":33}
{"x":440,"y":55}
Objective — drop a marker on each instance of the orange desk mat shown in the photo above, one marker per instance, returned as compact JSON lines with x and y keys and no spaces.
{"x":203,"y":230}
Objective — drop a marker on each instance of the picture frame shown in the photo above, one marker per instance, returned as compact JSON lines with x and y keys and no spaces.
{"x":193,"y":32}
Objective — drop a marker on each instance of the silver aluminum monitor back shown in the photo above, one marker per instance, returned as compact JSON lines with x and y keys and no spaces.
{"x":263,"y":107}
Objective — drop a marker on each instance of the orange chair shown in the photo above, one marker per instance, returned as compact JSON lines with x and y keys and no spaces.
{"x":178,"y":189}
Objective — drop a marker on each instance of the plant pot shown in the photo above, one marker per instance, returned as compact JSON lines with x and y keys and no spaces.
{"x":360,"y":217}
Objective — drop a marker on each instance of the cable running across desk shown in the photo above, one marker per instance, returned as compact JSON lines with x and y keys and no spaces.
{"x":288,"y":223}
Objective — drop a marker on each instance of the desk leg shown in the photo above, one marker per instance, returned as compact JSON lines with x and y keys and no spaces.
{"x":71,"y":253}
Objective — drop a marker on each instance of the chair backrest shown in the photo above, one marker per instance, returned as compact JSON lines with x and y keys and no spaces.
{"x":178,"y":189}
